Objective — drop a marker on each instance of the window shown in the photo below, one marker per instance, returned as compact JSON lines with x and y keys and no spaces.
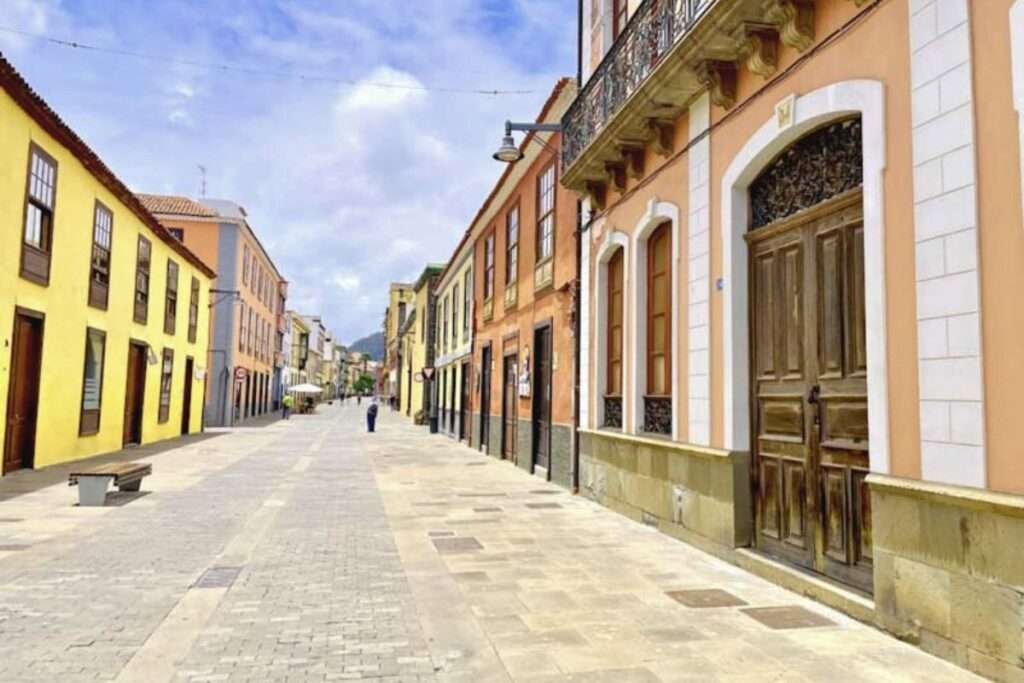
{"x":40,"y":197}
{"x":512,"y":246}
{"x":177,"y":233}
{"x":467,"y":290}
{"x":171,"y":299}
{"x":444,"y":318}
{"x":659,"y":307}
{"x":615,"y":280}
{"x":620,"y":16}
{"x":401,"y":314}
{"x":423,"y":324}
{"x":489,"y":267}
{"x":251,"y":341}
{"x":142,"y":264}
{"x":455,"y":315}
{"x":99,"y":267}
{"x":92,"y":382}
{"x":245,"y":266}
{"x":242,"y":335}
{"x":166,"y":373}
{"x":193,"y":311}
{"x":545,"y":213}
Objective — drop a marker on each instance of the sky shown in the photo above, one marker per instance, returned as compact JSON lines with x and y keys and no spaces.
{"x":348,"y":186}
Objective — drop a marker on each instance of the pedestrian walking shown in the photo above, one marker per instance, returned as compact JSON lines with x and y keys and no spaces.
{"x":371,"y":417}
{"x":286,"y":406}
{"x":359,"y":400}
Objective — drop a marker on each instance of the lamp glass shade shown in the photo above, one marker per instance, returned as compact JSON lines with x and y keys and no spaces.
{"x":508,"y":152}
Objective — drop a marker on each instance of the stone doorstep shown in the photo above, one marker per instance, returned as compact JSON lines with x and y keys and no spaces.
{"x":850,"y":603}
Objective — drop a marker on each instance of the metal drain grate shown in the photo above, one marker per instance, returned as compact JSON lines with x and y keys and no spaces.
{"x":712,"y":597}
{"x":218,"y":577}
{"x":14,"y":546}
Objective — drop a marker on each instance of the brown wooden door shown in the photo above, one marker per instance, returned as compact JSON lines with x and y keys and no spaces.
{"x":23,"y":392}
{"x":485,"y":398}
{"x":810,"y":391}
{"x":508,"y":409}
{"x":135,"y":392}
{"x":542,"y":397}
{"x":186,"y":399}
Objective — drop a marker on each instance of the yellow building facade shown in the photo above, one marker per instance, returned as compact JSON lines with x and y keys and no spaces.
{"x":103,"y":314}
{"x":418,"y":344}
{"x":453,"y":344}
{"x":399,"y":306}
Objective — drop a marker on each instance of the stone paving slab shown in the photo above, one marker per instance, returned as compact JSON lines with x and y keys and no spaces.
{"x":308,"y":550}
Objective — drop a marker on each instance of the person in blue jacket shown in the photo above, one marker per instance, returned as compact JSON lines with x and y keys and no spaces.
{"x":371,"y":416}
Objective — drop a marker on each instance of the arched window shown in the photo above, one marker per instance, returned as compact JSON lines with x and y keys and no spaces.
{"x":658,"y":397}
{"x":613,"y":390}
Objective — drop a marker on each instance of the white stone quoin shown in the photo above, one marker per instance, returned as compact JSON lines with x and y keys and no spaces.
{"x":946,"y":235}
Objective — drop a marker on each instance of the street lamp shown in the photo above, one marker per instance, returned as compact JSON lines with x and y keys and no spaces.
{"x":509,"y":153}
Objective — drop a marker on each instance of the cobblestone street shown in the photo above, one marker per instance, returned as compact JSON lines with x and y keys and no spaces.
{"x":309,"y":550}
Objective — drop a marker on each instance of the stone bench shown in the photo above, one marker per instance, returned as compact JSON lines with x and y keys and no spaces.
{"x":93,"y":483}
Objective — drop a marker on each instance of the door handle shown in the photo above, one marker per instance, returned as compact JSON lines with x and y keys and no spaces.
{"x":814,"y":399}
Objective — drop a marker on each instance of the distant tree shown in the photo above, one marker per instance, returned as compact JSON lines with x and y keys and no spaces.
{"x":364,"y":385}
{"x":366,"y":356}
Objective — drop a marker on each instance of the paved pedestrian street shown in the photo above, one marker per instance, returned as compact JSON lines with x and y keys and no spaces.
{"x":309,"y":550}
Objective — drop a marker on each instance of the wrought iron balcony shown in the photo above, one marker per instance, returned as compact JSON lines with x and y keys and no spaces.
{"x":655,"y":27}
{"x":669,"y":52}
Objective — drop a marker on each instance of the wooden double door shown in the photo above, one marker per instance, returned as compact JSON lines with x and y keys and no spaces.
{"x":485,"y":398}
{"x":509,"y":408}
{"x":135,"y":393}
{"x":542,"y":366}
{"x":809,"y":391}
{"x":23,"y":392}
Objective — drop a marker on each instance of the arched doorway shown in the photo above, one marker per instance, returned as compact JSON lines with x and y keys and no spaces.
{"x":808,"y":355}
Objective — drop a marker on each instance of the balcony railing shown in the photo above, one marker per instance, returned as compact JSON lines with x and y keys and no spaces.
{"x":655,"y":27}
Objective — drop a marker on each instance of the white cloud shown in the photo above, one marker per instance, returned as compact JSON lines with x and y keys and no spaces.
{"x":346,"y":282}
{"x":383,"y":90}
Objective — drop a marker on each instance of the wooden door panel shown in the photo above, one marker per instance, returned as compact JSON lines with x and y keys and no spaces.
{"x":792,"y":329}
{"x":830,"y":305}
{"x":834,"y":512}
{"x":794,"y":475}
{"x":764,"y":312}
{"x":770,"y":502}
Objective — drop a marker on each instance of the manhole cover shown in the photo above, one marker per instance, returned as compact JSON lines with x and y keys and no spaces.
{"x":481,"y":495}
{"x":440,"y":533}
{"x":460,"y":544}
{"x":218,"y":577}
{"x":475,"y":464}
{"x":486,"y":509}
{"x":543,"y":506}
{"x":14,"y":546}
{"x":712,"y":597}
{"x":10,"y":520}
{"x":787,"y":617}
{"x":545,"y":492}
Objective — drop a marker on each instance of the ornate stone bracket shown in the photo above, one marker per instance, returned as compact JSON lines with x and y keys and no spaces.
{"x":662,"y":132}
{"x":633,"y":156}
{"x":720,"y":79}
{"x":616,"y":174}
{"x":597,"y":193}
{"x":757,"y":45}
{"x":795,"y":19}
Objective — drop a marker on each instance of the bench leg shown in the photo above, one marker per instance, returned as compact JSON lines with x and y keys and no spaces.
{"x":92,"y":491}
{"x":130,"y":486}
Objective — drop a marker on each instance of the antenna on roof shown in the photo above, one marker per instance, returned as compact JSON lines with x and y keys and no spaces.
{"x":202,"y":183}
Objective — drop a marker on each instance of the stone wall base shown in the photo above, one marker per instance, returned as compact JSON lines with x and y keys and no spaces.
{"x":700,"y":495}
{"x":949,"y":572}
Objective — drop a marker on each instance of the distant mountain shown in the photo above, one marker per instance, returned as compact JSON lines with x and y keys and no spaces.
{"x":372,"y":344}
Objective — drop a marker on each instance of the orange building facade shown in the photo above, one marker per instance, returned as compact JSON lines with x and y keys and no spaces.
{"x":803,"y":230}
{"x":524,"y":253}
{"x":248,"y":306}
